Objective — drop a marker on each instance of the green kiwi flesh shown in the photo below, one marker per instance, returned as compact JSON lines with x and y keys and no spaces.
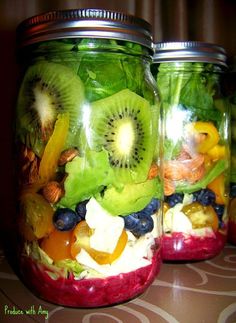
{"x":121,"y":124}
{"x":47,"y":90}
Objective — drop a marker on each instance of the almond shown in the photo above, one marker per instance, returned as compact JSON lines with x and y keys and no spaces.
{"x":67,"y":155}
{"x":53,"y":191}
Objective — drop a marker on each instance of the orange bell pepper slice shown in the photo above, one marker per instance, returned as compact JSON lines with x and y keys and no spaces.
{"x":218,"y":187}
{"x":81,"y":239}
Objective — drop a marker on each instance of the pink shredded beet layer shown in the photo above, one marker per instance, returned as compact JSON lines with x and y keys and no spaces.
{"x":92,"y":292}
{"x":183,"y":247}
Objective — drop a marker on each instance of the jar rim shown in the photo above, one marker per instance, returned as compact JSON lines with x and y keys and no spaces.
{"x":84,"y":23}
{"x":189,"y":51}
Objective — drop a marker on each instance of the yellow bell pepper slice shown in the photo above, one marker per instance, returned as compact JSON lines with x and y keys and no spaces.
{"x":53,"y":149}
{"x":217,"y":152}
{"x":212,"y":136}
{"x":35,"y":221}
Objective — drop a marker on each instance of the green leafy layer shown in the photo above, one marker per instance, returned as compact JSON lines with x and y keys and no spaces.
{"x":87,"y":176}
{"x":132,"y":198}
{"x":193,"y":86}
{"x":61,"y":268}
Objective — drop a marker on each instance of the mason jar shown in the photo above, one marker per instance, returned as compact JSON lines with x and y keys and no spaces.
{"x":196,"y":148}
{"x":87,"y":140}
{"x":230,"y":91}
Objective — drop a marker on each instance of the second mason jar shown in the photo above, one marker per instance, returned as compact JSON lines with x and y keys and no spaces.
{"x":196,"y":148}
{"x":87,"y":139}
{"x":230,"y":91}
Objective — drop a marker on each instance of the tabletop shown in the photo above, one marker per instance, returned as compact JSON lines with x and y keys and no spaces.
{"x":195,"y":292}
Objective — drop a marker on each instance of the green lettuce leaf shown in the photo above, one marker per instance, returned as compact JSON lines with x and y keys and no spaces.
{"x":133,"y":197}
{"x":70,"y":266}
{"x":61,"y":268}
{"x":87,"y":176}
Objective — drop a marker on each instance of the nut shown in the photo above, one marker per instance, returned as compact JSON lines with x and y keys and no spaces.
{"x":52,"y":192}
{"x":33,"y":172}
{"x":27,"y":154}
{"x":28,"y":166}
{"x":67,"y":155}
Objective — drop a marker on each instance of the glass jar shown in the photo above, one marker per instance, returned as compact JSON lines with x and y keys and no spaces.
{"x":196,"y":149}
{"x":230,"y":90}
{"x":87,"y":138}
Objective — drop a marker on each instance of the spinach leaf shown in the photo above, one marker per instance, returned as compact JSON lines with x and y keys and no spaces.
{"x":102,"y":75}
{"x":194,"y":94}
{"x":170,"y":82}
{"x":192,"y":86}
{"x":198,"y":96}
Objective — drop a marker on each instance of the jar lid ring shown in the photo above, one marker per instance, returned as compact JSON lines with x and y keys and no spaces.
{"x":189,"y":51}
{"x":84,"y":23}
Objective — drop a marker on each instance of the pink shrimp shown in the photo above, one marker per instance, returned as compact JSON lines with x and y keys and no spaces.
{"x":169,"y":187}
{"x":195,"y":162}
{"x":189,"y":166}
{"x":174,"y":170}
{"x":196,"y":175}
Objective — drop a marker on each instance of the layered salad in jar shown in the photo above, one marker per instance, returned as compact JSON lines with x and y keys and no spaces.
{"x":232,"y":203}
{"x":89,"y":187}
{"x":196,"y":162}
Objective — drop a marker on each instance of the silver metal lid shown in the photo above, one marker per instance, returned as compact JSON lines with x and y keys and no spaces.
{"x":192,"y":51}
{"x":84,"y":23}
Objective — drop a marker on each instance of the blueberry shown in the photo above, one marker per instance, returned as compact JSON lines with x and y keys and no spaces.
{"x":131,"y":221}
{"x":219,"y":209}
{"x":204,"y":196}
{"x":145,"y":225}
{"x":80,"y":209}
{"x":232,"y":190}
{"x":174,"y":199}
{"x":65,"y":219}
{"x":138,"y":223}
{"x":152,"y":207}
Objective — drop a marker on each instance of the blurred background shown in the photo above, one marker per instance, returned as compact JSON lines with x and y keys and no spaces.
{"x":172,"y":20}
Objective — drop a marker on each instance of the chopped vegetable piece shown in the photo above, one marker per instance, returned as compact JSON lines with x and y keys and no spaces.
{"x":81,"y":239}
{"x":212,"y":135}
{"x":53,"y":149}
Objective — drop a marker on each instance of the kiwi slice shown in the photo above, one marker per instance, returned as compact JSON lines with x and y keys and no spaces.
{"x":122,"y":125}
{"x":47,"y":90}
